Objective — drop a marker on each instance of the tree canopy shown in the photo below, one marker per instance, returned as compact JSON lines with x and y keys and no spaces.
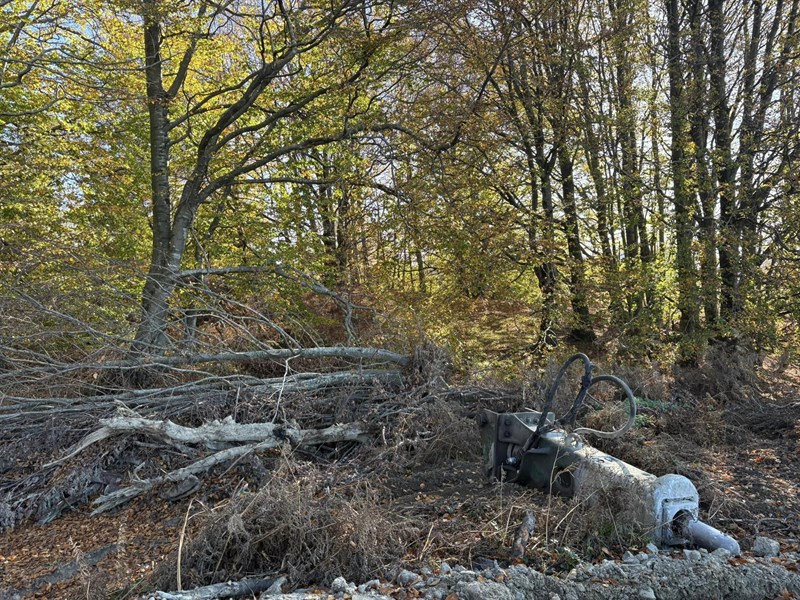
{"x":613,"y":172}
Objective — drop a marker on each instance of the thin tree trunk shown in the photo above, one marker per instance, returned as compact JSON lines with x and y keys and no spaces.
{"x":421,"y":271}
{"x":684,"y":260}
{"x":583,"y":329}
{"x":591,"y":147}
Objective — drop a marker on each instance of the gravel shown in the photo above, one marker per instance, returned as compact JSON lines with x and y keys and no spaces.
{"x":644,"y":576}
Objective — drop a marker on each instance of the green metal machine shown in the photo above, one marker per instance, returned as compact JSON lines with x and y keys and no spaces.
{"x":538,"y":450}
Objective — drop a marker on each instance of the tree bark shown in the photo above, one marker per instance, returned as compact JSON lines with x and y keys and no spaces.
{"x":684,"y":260}
{"x":698,"y":127}
{"x":583,"y":328}
{"x":724,"y":167}
{"x":151,"y":335}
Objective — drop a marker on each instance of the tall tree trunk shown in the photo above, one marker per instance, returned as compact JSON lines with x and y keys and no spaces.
{"x":591,"y":146}
{"x":746,"y":213}
{"x":637,"y":245}
{"x":684,"y":261}
{"x":151,"y":335}
{"x":545,"y":270}
{"x":698,"y":127}
{"x":758,"y":95}
{"x":723,"y":160}
{"x":583,"y":328}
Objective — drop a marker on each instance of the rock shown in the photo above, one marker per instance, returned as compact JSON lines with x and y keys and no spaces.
{"x":467,"y":574}
{"x":488,"y":590}
{"x":642,"y":557}
{"x":764,"y":546}
{"x":721,"y":554}
{"x":629,"y":558}
{"x":276,"y":588}
{"x":652,"y":548}
{"x":692,"y":555}
{"x":406,"y":578}
{"x":368,"y":585}
{"x":339,"y":585}
{"x":647,"y":594}
{"x":445,"y":568}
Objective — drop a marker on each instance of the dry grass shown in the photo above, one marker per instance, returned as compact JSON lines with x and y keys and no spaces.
{"x":449,"y":435}
{"x":596,"y":527}
{"x":298,"y":523}
{"x":415,"y":495}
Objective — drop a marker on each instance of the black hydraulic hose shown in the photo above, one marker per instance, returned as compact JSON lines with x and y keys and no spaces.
{"x":587,"y":381}
{"x":609,"y":435}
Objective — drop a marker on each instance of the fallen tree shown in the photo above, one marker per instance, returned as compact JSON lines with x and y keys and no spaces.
{"x":45,"y":365}
{"x":20,"y":413}
{"x":238,"y":439}
{"x":229,"y":589}
{"x":263,"y":436}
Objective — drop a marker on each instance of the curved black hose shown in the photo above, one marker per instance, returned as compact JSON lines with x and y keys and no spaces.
{"x":608,"y":435}
{"x":587,"y":381}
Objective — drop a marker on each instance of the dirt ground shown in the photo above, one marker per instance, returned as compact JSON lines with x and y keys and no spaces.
{"x":421,"y":480}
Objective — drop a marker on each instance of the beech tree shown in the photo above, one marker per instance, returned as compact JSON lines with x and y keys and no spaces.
{"x":240,"y":128}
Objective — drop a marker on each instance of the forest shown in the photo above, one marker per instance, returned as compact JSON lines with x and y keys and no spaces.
{"x":345,"y":217}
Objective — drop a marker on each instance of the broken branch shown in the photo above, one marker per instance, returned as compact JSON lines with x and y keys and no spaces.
{"x":268,"y":435}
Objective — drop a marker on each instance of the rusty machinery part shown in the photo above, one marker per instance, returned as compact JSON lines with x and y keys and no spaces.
{"x":568,"y":419}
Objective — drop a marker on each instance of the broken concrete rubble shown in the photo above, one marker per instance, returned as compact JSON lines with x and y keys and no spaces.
{"x":707,"y":575}
{"x":764,"y":546}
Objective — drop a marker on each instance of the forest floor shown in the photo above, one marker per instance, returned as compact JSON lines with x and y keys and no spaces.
{"x":415,"y":497}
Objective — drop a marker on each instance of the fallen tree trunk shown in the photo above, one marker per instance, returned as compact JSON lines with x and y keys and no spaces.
{"x":46,"y":365}
{"x":298,"y":382}
{"x":268,"y":435}
{"x":230,"y":589}
{"x":21,"y":413}
{"x":253,"y":437}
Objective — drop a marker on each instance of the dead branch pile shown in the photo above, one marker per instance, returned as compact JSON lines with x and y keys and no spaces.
{"x":84,"y":417}
{"x":137,"y":416}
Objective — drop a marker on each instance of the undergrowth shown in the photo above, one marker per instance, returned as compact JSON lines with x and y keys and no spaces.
{"x":298,"y":524}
